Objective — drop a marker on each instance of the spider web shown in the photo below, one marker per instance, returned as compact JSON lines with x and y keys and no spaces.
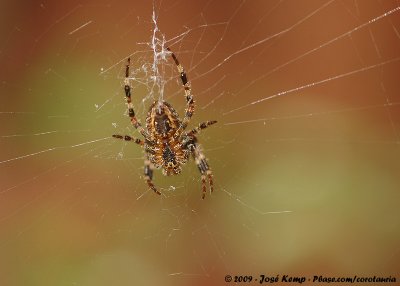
{"x":305,"y":154}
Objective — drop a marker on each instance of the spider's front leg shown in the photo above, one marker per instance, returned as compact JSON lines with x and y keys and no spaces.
{"x":148,"y":175}
{"x":204,"y":169}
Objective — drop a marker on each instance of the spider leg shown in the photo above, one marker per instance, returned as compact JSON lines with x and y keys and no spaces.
{"x":148,"y":176}
{"x":204,"y":169}
{"x":131,"y":112}
{"x":129,"y":138}
{"x":201,"y":126}
{"x":189,"y":110}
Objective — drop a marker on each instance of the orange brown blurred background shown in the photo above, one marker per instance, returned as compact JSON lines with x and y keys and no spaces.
{"x":305,"y":155}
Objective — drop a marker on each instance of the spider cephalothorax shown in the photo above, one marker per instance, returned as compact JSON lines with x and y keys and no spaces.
{"x":166,"y":143}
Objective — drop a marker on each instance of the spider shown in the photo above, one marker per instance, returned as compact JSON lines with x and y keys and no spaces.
{"x":166,"y":143}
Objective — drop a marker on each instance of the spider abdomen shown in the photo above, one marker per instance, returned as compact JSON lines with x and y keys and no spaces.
{"x":162,"y":120}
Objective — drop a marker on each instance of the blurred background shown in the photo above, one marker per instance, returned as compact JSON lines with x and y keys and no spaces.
{"x":305,"y":154}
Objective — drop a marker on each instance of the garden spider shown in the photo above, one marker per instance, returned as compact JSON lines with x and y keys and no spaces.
{"x":166,"y":143}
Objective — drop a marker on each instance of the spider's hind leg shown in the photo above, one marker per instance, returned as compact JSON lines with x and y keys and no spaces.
{"x":128,"y":95}
{"x":201,"y":126}
{"x":129,"y":138}
{"x":189,"y":110}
